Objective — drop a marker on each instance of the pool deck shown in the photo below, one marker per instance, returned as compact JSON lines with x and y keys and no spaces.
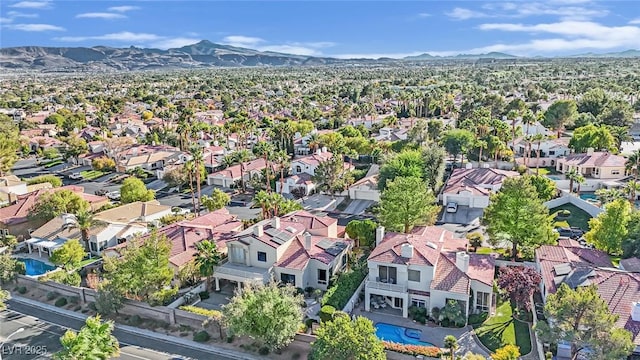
{"x":430,"y":333}
{"x":34,"y":256}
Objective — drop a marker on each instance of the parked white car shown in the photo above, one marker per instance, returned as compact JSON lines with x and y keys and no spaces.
{"x":75,"y":176}
{"x":114,"y":195}
{"x":452,"y":207}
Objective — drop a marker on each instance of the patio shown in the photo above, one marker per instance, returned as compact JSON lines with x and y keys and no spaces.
{"x":45,"y":246}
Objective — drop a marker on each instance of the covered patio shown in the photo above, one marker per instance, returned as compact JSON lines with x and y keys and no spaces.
{"x":43,"y":245}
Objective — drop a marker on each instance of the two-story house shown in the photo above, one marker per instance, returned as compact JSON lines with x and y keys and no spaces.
{"x":233,"y":174}
{"x":153,"y":158}
{"x":303,"y":169}
{"x":426,"y":268}
{"x":550,"y":150}
{"x":301,"y":249}
{"x":596,"y":165}
{"x":472,"y":187}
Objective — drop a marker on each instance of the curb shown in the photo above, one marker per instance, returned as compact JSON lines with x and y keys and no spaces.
{"x":141,"y":332}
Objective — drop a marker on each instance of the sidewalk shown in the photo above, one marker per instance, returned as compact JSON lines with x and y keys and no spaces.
{"x":231,"y":354}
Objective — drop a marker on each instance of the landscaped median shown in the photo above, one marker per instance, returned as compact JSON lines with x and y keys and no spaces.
{"x":502,"y":329}
{"x":92,"y":174}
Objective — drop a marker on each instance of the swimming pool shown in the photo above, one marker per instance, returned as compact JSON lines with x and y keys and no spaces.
{"x":399,"y":334}
{"x":36,"y":267}
{"x":588,"y":196}
{"x":554,"y":177}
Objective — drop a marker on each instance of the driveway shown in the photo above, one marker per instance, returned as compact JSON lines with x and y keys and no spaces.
{"x":465,"y":216}
{"x":357,"y":207}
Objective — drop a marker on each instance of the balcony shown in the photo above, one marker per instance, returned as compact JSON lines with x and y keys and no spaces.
{"x":241,"y":273}
{"x":386,"y":286}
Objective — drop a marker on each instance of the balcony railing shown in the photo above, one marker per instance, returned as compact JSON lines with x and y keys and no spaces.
{"x":226,"y":269}
{"x":386,"y":286}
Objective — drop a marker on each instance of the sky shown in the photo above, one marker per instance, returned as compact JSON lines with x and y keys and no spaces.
{"x":343,"y":29}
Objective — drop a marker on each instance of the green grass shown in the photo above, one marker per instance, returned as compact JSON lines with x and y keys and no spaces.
{"x":615,"y":260}
{"x":52,"y":163}
{"x":484,"y":251}
{"x":501,"y":329}
{"x":92,"y":174}
{"x":579,"y":218}
{"x":541,"y":171}
{"x":86,"y":262}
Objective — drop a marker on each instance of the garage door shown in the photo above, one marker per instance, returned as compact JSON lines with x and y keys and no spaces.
{"x":216,"y":181}
{"x":460,"y":200}
{"x":366,"y":195}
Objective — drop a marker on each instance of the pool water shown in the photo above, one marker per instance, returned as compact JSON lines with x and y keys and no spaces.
{"x":588,"y":196}
{"x":554,"y":177}
{"x":36,"y":267}
{"x":399,"y":334}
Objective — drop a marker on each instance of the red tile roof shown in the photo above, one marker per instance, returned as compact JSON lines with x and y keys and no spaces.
{"x":599,"y":159}
{"x":297,"y":257}
{"x":476,"y":181}
{"x":427,"y":241}
{"x":449,"y":278}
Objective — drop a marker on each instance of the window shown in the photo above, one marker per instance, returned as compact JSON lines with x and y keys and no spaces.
{"x":387,"y":274}
{"x":418,"y":303}
{"x":322,"y":276}
{"x":298,"y":169}
{"x":482,"y":301}
{"x":414,"y":275}
{"x":288,"y":278}
{"x":237,"y":255}
{"x":103,"y":245}
{"x":92,"y":246}
{"x":262,"y":256}
{"x":615,"y":172}
{"x":560,"y":167}
{"x":552,"y":152}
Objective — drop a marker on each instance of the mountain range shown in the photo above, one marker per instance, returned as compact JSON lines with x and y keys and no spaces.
{"x":201,"y":54}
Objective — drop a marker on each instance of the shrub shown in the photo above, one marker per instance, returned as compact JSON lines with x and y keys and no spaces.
{"x":263,"y":351}
{"x":201,"y":336}
{"x":561,"y":224}
{"x":340,"y":293}
{"x":475,"y":240}
{"x":92,"y":306}
{"x":418,"y":314}
{"x":77,"y":308}
{"x":564,"y":213}
{"x":327,"y":312}
{"x":201,"y":311}
{"x":230,"y":339}
{"x":309,"y":323}
{"x":61,"y":302}
{"x":22,"y":290}
{"x":50,"y":178}
{"x":52,"y":295}
{"x":204,"y":295}
{"x":413,"y":350}
{"x":103,"y":163}
{"x":135,"y":320}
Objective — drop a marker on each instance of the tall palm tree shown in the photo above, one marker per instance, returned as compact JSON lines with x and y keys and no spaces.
{"x":93,"y":341}
{"x":189,"y":167}
{"x":84,"y":222}
{"x":242,"y":156}
{"x":283,"y":161}
{"x":207,"y":257}
{"x":313,"y":142}
{"x":451,"y":343}
{"x":632,"y":188}
{"x":538,"y":138}
{"x":265,"y":149}
{"x":633,"y":164}
{"x":198,"y":160}
{"x":574,"y":176}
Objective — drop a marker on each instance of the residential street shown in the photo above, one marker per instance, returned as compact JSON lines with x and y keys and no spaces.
{"x":43,"y":328}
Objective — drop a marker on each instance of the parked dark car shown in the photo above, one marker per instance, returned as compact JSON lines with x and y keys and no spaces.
{"x":101,"y":192}
{"x":573,"y":232}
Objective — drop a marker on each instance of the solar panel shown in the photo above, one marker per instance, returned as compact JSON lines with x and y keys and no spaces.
{"x":324,"y":244}
{"x":562,"y":269}
{"x":337,"y":248}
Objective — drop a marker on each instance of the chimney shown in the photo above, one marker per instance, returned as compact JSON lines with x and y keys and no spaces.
{"x":307,"y":241}
{"x":275,"y":222}
{"x":319,"y":151}
{"x":258,"y":230}
{"x":379,"y":235}
{"x":589,"y":151}
{"x":324,"y":149}
{"x":406,"y":251}
{"x":462,"y":261}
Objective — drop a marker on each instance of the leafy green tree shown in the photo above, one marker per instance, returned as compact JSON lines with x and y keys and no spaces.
{"x":268,"y":313}
{"x":69,"y":255}
{"x":346,"y":339}
{"x":216,"y":201}
{"x":207,"y":256}
{"x":10,"y":268}
{"x":108,"y":300}
{"x":591,"y":136}
{"x":507,"y":352}
{"x":631,"y":244}
{"x":93,"y":341}
{"x":142,"y":271}
{"x":433,"y":157}
{"x":9,"y":144}
{"x":451,"y":343}
{"x":409,"y":163}
{"x":582,"y":318}
{"x":363,"y":231}
{"x":618,"y":112}
{"x":593,"y":101}
{"x":55,"y":203}
{"x":49,"y":178}
{"x":560,"y":114}
{"x":517,"y":213}
{"x":407,"y":202}
{"x":133,"y":189}
{"x":55,"y":119}
{"x":75,"y":146}
{"x":609,"y":229}
{"x":332,"y":176}
{"x":4,"y":296}
{"x":458,"y":142}
{"x":545,"y":187}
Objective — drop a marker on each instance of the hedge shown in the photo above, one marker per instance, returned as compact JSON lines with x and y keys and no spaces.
{"x":413,"y":350}
{"x":201,"y":336}
{"x":340,"y":293}
{"x":61,"y":302}
{"x":201,"y":311}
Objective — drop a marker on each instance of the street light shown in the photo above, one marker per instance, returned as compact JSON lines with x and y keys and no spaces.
{"x":7,"y":339}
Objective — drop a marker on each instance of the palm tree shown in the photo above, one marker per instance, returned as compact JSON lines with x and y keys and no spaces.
{"x":574,"y":176}
{"x":198,"y":160}
{"x":632,"y":188}
{"x":93,"y":341}
{"x":265,"y":149}
{"x":538,"y":139}
{"x":263,"y":200}
{"x":451,"y":343}
{"x":481,"y":144}
{"x":206,"y":258}
{"x":313,"y":142}
{"x":609,"y":195}
{"x":242,"y":156}
{"x":189,"y":167}
{"x":283,"y":161}
{"x":84,"y":222}
{"x":633,"y":164}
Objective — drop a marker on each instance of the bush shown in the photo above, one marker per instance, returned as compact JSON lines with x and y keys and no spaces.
{"x":135,"y":320}
{"x":201,"y":336}
{"x":309,"y":323}
{"x":564,"y":213}
{"x":51,"y":179}
{"x":230,"y":339}
{"x":340,"y":293}
{"x":413,"y":350}
{"x":264,"y":351}
{"x":418,"y":314}
{"x":52,"y":295}
{"x":92,"y":306}
{"x":61,"y":302}
{"x":204,"y":295}
{"x":327,"y":312}
{"x":475,"y":240}
{"x":201,"y":311}
{"x":103,"y":163}
{"x":22,"y":290}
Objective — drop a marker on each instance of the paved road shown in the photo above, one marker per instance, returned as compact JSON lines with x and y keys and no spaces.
{"x":40,"y":340}
{"x":124,"y":336}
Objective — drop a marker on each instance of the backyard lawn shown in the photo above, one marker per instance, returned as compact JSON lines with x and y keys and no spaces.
{"x":86,"y":262}
{"x":578,"y":218}
{"x":91,"y":174}
{"x":501,"y":329}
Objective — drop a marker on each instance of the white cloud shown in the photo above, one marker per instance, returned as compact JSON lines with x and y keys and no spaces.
{"x":241,"y":40}
{"x":376,"y":55}
{"x":16,"y":14}
{"x":123,"y":8}
{"x":423,"y":15}
{"x":31,"y":4}
{"x":4,"y":20}
{"x":291,"y":49}
{"x":35,"y":27}
{"x":635,"y":21}
{"x":101,"y":15}
{"x":465,"y":14}
{"x":170,"y":43}
{"x":124,"y":36}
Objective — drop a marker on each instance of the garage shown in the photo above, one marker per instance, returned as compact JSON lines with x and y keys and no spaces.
{"x":215,"y":181}
{"x":373,"y":195}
